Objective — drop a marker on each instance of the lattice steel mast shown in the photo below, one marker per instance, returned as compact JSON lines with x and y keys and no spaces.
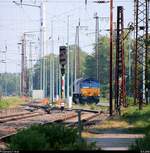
{"x":120,"y":83}
{"x":141,"y":52}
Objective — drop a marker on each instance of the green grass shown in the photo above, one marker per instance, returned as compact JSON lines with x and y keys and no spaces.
{"x":141,"y":144}
{"x":10,"y":102}
{"x":140,"y":119}
{"x":130,"y":101}
{"x":92,"y":106}
{"x":132,"y":120}
{"x":89,"y":106}
{"x":103,"y":100}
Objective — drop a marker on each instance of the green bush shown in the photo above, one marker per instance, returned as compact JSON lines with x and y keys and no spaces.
{"x":48,"y":137}
{"x":28,"y":140}
{"x":141,"y":144}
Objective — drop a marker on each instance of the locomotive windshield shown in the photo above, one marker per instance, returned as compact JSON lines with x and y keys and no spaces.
{"x":89,"y":84}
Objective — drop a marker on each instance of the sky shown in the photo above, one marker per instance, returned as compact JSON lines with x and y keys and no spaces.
{"x":15,"y":20}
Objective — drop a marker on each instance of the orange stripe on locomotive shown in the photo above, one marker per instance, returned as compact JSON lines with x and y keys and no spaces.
{"x":88,"y":92}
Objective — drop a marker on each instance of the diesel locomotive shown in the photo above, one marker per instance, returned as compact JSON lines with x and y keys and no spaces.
{"x":86,"y":91}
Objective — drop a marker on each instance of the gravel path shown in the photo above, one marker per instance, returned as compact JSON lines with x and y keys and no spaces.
{"x":113,"y":140}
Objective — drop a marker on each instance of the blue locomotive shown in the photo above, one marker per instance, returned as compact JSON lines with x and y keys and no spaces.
{"x":86,"y":90}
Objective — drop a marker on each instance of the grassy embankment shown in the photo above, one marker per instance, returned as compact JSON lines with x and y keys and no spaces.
{"x":11,"y":102}
{"x":132,"y":120}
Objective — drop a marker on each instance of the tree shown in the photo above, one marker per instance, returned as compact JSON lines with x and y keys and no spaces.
{"x":10,"y":84}
{"x":90,"y":64}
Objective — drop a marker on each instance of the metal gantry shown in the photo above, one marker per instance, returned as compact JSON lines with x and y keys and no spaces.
{"x":141,"y":52}
{"x":120,"y":83}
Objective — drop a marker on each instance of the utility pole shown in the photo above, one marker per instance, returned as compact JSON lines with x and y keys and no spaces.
{"x":56,"y":76}
{"x":72,"y":69}
{"x":68,"y":83}
{"x":111,"y":55}
{"x":5,"y":70}
{"x":50,"y":75}
{"x":52,"y":65}
{"x":141,"y":52}
{"x":46,"y":68}
{"x":58,"y":79}
{"x":147,"y":53}
{"x":23,"y":68}
{"x":31,"y":71}
{"x":43,"y":43}
{"x":20,"y":75}
{"x":43,"y":36}
{"x":97,"y":46}
{"x":130,"y":29}
{"x":49,"y":70}
{"x":78,"y":50}
{"x":120,"y":83}
{"x":129,"y":64}
{"x":75,"y":56}
{"x":53,"y":72}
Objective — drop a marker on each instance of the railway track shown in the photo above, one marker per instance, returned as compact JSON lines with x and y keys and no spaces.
{"x":19,"y":116}
{"x":87,"y":119}
{"x":11,"y":124}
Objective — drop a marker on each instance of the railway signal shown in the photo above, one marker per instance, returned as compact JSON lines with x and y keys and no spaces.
{"x":63,"y":62}
{"x":63,"y":55}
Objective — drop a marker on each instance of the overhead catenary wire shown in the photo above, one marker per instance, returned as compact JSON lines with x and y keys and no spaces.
{"x":72,"y":10}
{"x":67,"y":1}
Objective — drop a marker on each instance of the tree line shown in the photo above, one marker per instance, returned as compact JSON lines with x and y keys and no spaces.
{"x":88,"y":68}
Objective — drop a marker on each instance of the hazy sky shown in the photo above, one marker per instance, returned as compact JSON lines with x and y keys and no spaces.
{"x":14,"y":20}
